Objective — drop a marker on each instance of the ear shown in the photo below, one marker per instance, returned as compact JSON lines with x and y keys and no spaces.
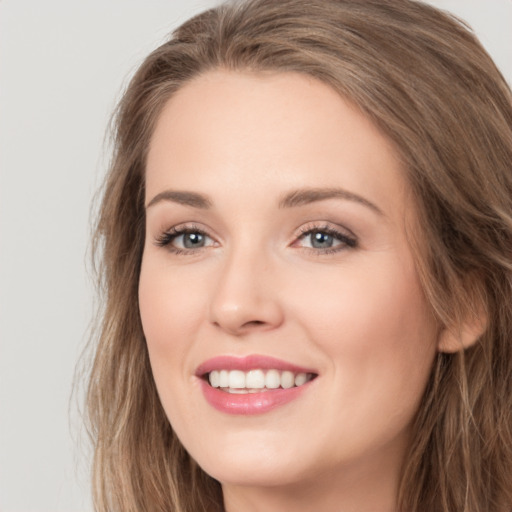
{"x":467,"y":332}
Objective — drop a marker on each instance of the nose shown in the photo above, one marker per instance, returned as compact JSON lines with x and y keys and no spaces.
{"x":246,"y":296}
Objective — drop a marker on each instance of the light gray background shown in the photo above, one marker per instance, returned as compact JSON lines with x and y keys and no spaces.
{"x":62,"y":66}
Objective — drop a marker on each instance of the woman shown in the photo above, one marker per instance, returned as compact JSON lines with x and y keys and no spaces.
{"x":306,"y":239}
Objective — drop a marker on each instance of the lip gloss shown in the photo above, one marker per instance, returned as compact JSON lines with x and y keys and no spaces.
{"x":257,"y":402}
{"x":249,"y":403}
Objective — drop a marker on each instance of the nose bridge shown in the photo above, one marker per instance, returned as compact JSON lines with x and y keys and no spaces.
{"x":245,"y":297}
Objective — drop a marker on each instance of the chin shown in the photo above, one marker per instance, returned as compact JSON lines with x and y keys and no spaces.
{"x":253,"y":474}
{"x":254,"y":463}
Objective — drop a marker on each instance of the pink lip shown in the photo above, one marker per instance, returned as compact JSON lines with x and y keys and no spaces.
{"x":249,"y":403}
{"x":251,"y":362}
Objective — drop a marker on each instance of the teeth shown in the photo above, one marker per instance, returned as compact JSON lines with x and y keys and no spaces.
{"x":223,"y":379}
{"x":272,"y":379}
{"x":300,"y":378}
{"x":237,"y":381}
{"x":214,"y":379}
{"x":254,"y":379}
{"x":287,"y":380}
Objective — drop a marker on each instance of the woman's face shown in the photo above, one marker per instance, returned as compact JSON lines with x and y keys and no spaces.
{"x":276,"y":255}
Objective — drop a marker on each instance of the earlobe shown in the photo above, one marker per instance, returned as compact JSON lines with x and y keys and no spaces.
{"x":467,"y":333}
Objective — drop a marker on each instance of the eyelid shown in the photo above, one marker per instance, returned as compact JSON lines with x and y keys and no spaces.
{"x":166,"y":237}
{"x":347,"y":238}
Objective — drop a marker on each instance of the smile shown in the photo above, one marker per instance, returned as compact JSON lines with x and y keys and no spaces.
{"x":257,"y":380}
{"x":253,"y":384}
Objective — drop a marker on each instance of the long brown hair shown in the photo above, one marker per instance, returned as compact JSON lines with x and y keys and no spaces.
{"x":423,"y":78}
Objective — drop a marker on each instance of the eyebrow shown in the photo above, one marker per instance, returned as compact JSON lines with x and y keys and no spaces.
{"x":185,"y":198}
{"x":304,"y":196}
{"x":292,"y":199}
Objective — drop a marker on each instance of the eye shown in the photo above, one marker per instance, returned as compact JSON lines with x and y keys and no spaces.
{"x":325,"y":239}
{"x":191,"y":240}
{"x":322,"y":240}
{"x":187,"y":239}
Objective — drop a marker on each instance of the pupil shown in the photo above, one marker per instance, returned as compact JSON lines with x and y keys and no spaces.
{"x":191,"y":240}
{"x":321,"y":240}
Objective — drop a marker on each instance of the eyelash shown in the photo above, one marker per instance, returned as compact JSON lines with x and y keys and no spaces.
{"x":348,"y":241}
{"x":166,"y":238}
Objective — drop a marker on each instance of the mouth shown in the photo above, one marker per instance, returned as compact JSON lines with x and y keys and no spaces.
{"x":253,"y":384}
{"x":258,"y":380}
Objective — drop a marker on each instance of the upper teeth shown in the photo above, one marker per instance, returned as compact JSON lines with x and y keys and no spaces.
{"x":256,"y":379}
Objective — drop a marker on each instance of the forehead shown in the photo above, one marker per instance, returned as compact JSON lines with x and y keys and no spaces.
{"x":269,"y":131}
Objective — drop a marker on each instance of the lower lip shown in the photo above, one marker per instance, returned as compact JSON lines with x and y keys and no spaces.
{"x":250,"y":403}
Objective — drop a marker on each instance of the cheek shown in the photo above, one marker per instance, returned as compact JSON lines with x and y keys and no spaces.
{"x":171,"y":317}
{"x":377,"y":329}
{"x":379,"y":305}
{"x":170,"y":314}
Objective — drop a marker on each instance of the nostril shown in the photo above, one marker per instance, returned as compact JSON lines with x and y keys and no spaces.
{"x":254,"y":323}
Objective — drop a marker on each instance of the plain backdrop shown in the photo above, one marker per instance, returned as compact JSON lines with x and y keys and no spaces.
{"x":63,"y":64}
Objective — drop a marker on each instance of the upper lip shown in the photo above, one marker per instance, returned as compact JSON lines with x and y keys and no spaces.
{"x":246,"y":363}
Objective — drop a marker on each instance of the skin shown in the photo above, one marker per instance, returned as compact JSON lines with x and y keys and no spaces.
{"x":258,"y":285}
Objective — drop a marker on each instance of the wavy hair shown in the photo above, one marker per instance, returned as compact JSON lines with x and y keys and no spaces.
{"x":424,"y":79}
